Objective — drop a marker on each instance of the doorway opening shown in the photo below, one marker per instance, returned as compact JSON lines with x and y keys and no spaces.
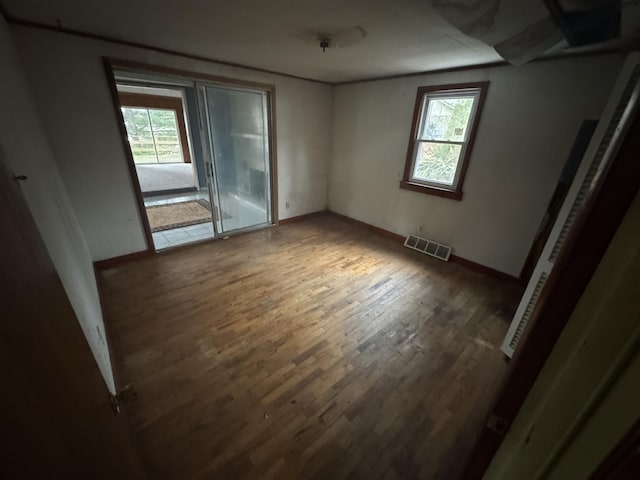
{"x":200,"y":153}
{"x":176,"y":201}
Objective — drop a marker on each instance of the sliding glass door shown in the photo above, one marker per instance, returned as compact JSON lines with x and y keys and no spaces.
{"x":237,"y":131}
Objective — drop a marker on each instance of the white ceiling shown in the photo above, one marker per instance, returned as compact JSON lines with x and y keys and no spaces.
{"x":403,"y":36}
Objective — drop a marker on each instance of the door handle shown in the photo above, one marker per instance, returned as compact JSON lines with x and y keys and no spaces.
{"x":20,"y":177}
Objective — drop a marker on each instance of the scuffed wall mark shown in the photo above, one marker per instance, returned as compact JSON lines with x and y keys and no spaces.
{"x":529,"y":434}
{"x":100,"y":337}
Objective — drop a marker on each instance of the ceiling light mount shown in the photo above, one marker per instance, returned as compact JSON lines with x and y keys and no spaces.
{"x":333,"y":39}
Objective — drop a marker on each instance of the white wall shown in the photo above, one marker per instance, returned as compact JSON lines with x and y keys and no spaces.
{"x":353,"y":137}
{"x":70,"y":86}
{"x":530,"y":119}
{"x":27,"y":148}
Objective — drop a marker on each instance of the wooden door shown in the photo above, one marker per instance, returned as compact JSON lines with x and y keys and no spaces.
{"x":55,"y":414}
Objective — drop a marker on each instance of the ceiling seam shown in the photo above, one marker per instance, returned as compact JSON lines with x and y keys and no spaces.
{"x":498,"y":64}
{"x":33,"y":24}
{"x":79,"y":33}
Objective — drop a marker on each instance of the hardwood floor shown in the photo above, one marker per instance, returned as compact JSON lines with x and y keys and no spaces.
{"x":311,"y":350}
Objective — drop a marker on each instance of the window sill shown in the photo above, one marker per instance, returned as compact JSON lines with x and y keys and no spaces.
{"x":439,"y":192}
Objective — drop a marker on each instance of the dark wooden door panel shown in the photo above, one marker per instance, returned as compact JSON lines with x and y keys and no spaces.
{"x":56,"y":417}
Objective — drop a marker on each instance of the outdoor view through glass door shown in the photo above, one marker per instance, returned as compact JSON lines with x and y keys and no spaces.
{"x":166,"y":162}
{"x":201,"y":156}
{"x":238,"y":142}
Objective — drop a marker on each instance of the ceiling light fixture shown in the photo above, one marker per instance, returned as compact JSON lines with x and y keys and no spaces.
{"x":334,"y":38}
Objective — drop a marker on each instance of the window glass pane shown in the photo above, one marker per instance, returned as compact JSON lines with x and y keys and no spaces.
{"x":447,"y":119}
{"x":436,"y":162}
{"x":139,"y":133}
{"x":167,"y":138}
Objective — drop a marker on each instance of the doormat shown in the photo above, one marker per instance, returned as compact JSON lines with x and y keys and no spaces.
{"x":183,"y":214}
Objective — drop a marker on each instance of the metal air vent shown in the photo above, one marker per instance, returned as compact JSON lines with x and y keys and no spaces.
{"x":429,"y":247}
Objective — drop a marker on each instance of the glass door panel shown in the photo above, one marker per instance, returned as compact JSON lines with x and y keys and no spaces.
{"x":237,"y":128}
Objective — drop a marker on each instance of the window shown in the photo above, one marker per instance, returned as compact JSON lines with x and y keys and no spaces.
{"x":444,"y":125}
{"x":153,"y":135}
{"x":155,"y":128}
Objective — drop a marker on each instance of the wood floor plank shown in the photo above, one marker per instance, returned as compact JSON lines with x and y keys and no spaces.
{"x":312,"y":350}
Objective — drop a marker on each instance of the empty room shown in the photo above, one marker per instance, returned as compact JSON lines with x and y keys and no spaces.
{"x":361,"y":239}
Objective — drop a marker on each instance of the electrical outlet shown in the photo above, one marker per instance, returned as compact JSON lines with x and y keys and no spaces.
{"x":286,"y":205}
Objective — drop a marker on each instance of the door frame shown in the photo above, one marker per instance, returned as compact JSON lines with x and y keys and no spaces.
{"x":112,"y":64}
{"x":597,"y":221}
